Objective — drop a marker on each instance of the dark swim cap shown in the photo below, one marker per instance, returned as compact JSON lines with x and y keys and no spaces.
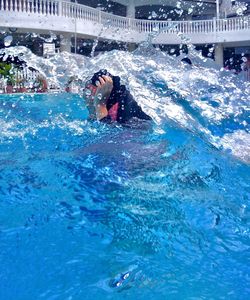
{"x":95,"y":78}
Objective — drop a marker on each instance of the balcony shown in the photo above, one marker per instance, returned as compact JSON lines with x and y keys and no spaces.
{"x":43,"y":16}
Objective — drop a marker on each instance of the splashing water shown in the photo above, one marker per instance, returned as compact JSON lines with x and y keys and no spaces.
{"x":94,"y":211}
{"x":200,"y":98}
{"x":8,"y":40}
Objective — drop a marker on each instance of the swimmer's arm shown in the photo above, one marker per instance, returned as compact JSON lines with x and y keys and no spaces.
{"x":104,"y":88}
{"x":101,"y":111}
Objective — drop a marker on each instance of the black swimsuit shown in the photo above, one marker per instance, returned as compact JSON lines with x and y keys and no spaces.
{"x":122,"y":107}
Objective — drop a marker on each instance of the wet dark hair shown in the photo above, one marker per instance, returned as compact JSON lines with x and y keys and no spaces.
{"x":95,"y":78}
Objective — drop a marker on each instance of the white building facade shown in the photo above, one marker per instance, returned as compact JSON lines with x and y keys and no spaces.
{"x":223,"y":23}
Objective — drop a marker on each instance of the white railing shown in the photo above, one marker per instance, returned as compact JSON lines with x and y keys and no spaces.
{"x":26,"y":80}
{"x":25,"y":77}
{"x":72,"y":10}
{"x":78,"y":11}
{"x":46,"y":7}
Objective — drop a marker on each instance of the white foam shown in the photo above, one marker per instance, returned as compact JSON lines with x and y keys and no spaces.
{"x":238,"y":143}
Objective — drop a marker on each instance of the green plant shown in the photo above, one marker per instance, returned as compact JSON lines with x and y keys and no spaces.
{"x":6,"y":72}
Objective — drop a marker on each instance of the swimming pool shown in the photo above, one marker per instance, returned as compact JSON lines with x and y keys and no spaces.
{"x":156,"y":211}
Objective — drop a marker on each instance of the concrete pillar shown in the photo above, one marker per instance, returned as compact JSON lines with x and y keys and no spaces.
{"x":219,"y":55}
{"x":65,"y":42}
{"x":130,"y":9}
{"x":225,"y":7}
{"x":217,"y":9}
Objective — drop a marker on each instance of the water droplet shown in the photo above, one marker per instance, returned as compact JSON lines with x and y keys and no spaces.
{"x":99,"y":96}
{"x":239,"y":11}
{"x":87,"y":92}
{"x":154,"y":14}
{"x":8,"y":40}
{"x":126,"y":276}
{"x":178,"y":4}
{"x":211,"y":49}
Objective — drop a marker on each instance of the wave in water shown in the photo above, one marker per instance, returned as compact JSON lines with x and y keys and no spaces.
{"x":201,"y":98}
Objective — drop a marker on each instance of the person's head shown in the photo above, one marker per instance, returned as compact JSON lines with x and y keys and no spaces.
{"x":95,"y":78}
{"x":92,"y":87}
{"x":89,"y":93}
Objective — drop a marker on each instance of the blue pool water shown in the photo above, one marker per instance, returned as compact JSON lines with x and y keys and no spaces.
{"x":147,"y":211}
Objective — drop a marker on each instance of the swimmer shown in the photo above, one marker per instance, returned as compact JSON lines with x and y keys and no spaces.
{"x":109,"y":101}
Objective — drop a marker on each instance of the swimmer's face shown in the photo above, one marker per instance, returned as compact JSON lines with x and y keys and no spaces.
{"x":89,"y":93}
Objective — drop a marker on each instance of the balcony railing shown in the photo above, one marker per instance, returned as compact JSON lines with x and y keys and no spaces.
{"x":65,"y":9}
